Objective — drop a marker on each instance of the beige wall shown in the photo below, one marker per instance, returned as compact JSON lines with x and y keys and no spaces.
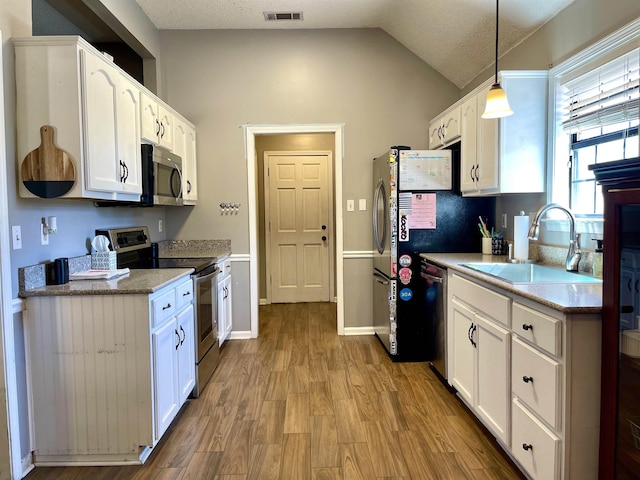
{"x":382,"y":93}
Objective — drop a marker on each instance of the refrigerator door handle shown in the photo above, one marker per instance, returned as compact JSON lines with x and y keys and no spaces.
{"x":379,"y":242}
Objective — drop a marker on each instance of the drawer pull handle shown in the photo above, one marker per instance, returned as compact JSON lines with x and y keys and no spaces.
{"x":527,"y":446}
{"x":526,"y":379}
{"x":186,"y":294}
{"x":167,"y":306}
{"x":527,"y":326}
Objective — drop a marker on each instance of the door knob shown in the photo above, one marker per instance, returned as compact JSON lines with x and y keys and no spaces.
{"x":324,"y":238}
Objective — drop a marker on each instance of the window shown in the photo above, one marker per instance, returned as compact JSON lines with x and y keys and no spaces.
{"x":595,"y":104}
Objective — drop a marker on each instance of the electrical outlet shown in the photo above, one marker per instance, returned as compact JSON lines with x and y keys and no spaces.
{"x":16,"y":235}
{"x":504,"y":220}
{"x":159,"y":225}
{"x":350,"y":205}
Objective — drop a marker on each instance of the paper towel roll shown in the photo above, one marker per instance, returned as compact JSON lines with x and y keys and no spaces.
{"x":520,"y":236}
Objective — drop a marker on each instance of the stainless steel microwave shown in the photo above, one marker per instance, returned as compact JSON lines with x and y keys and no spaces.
{"x":161,"y":177}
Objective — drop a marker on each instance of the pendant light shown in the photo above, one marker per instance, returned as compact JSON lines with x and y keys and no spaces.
{"x":497,"y":105}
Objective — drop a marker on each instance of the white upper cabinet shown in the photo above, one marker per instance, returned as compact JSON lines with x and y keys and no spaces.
{"x":505,"y":155}
{"x":99,"y":116}
{"x":445,"y":128}
{"x":157,"y":122}
{"x":185,"y":147}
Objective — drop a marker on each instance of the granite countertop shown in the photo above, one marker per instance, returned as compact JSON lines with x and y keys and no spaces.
{"x":218,"y":250}
{"x":135,"y":282}
{"x":566,"y":298}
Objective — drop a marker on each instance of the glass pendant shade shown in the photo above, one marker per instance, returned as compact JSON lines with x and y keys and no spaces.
{"x":497,"y":104}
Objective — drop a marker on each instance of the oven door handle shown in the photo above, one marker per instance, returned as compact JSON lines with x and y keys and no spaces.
{"x":207,"y":277}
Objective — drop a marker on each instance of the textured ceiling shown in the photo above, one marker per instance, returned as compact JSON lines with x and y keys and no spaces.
{"x":455,"y":37}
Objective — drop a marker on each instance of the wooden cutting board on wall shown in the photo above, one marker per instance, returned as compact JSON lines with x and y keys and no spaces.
{"x":48,"y":171}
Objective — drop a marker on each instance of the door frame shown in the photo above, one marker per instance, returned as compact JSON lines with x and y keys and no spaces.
{"x":250,"y":133}
{"x":267,"y":199}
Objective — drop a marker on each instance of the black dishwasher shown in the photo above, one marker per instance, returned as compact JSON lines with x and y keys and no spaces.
{"x":435,"y":311}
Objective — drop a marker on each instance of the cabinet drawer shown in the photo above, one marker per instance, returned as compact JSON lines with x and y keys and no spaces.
{"x":225,"y":268}
{"x":184,"y":294}
{"x":535,"y":379}
{"x":535,"y":447}
{"x":496,"y":306}
{"x":163,"y":307}
{"x":538,"y":328}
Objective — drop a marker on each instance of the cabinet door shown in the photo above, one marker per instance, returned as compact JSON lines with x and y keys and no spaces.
{"x":487,"y":146}
{"x":185,"y":147}
{"x":462,"y":368}
{"x":165,"y":135}
{"x":190,"y":167}
{"x":468,"y":115}
{"x":435,"y":133}
{"x":186,"y":354}
{"x":228,"y":312}
{"x":493,"y":387}
{"x":451,"y":125}
{"x":222,"y":315}
{"x":149,"y":118}
{"x":100,"y":81}
{"x":128,"y":110}
{"x":165,"y":343}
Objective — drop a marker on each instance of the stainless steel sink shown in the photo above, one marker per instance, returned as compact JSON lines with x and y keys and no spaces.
{"x":529,"y":273}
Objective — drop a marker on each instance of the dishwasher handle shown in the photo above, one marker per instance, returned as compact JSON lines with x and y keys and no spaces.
{"x":380,"y":278}
{"x":431,"y":277}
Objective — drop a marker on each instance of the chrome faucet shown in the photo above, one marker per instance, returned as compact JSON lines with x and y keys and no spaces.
{"x":574,"y":254}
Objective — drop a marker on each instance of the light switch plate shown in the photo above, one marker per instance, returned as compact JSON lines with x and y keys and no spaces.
{"x":16,"y":235}
{"x":362,"y":204}
{"x":350,"y":205}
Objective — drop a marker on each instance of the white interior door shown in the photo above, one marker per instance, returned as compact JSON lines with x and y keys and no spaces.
{"x":298,"y":226}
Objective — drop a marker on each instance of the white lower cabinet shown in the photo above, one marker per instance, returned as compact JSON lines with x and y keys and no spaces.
{"x":531,"y":374}
{"x":107,"y":373}
{"x":164,"y":377}
{"x":225,"y":312}
{"x":480,"y":347}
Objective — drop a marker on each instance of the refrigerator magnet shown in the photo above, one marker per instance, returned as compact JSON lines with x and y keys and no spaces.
{"x":406,"y":294}
{"x":405,"y":275}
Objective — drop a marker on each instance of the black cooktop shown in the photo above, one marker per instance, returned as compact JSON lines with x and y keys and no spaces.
{"x":198,"y":263}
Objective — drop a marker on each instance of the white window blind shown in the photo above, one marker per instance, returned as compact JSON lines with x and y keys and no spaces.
{"x":606,"y":95}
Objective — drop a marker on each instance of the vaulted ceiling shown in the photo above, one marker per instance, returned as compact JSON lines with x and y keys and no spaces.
{"x":455,"y":37}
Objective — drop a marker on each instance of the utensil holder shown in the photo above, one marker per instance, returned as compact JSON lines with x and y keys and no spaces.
{"x":486,"y":246}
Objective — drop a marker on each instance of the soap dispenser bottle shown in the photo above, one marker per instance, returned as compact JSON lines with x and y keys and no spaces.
{"x":597,"y":258}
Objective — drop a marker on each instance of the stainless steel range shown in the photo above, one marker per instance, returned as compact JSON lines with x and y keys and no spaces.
{"x":134,"y":250}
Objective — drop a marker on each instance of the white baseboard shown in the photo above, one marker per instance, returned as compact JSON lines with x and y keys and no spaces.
{"x":358,"y":331}
{"x":263,"y":301}
{"x":243,"y":335}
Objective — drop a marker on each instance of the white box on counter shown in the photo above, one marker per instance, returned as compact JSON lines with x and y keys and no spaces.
{"x":104,"y":261}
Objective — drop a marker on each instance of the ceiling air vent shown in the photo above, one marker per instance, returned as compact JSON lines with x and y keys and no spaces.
{"x":276,"y":16}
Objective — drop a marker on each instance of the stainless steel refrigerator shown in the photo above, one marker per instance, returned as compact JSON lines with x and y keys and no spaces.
{"x":417,"y":208}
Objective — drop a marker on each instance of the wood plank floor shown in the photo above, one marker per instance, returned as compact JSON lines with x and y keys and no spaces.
{"x":302,"y":403}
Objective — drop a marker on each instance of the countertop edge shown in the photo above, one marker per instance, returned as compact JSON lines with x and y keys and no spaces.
{"x":137,"y":282}
{"x":454,"y":262}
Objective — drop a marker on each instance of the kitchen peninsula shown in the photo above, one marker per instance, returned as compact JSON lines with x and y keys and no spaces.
{"x":110,"y":362}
